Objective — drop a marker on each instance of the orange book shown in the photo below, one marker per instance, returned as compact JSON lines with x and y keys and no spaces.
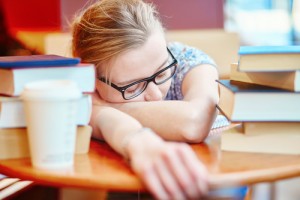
{"x":288,"y":80}
{"x":258,"y":128}
{"x":269,"y":58}
{"x":265,"y":137}
{"x":14,"y":142}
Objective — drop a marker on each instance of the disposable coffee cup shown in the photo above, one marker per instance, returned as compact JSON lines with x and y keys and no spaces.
{"x":50,"y":108}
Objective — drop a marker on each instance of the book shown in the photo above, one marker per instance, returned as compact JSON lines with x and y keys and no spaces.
{"x":281,"y":143}
{"x":36,"y":61}
{"x":269,"y":58}
{"x":241,"y":101}
{"x":259,"y":128}
{"x":14,"y":80}
{"x":220,"y":124}
{"x":220,"y":121}
{"x":288,"y":80}
{"x":12,"y":111}
{"x":14,"y":142}
{"x":9,"y":187}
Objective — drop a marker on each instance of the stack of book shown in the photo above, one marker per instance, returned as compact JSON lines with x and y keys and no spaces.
{"x":263,"y":93}
{"x":15,"y":72}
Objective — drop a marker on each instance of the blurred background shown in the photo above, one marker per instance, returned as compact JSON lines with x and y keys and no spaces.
{"x":257,"y":22}
{"x":264,"y":22}
{"x":217,"y":26}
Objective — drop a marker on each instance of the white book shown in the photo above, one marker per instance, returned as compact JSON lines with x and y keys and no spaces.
{"x":13,"y":80}
{"x":12,"y":111}
{"x":241,"y":101}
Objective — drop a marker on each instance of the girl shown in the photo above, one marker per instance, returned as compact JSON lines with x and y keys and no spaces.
{"x":151,"y":96}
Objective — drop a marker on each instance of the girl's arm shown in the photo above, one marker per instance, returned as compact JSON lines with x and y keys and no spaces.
{"x":188,"y":120}
{"x":169,"y":170}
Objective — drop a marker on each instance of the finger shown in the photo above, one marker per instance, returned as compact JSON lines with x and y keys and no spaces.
{"x":153,"y":183}
{"x":167,"y":179}
{"x":194,"y":166}
{"x":179,"y":171}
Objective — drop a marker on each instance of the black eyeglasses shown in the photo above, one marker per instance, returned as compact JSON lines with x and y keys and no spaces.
{"x":136,"y":88}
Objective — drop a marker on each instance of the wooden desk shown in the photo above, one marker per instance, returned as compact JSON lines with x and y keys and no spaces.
{"x":104,"y":169}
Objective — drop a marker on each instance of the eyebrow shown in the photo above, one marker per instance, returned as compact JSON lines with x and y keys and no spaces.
{"x":131,"y":81}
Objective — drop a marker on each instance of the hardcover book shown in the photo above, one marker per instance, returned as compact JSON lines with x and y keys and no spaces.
{"x":258,"y":128}
{"x":269,"y":58}
{"x":288,"y":80}
{"x":241,"y":101}
{"x":14,"y":142}
{"x":284,"y":143}
{"x":14,"y":80}
{"x":12,"y":112}
{"x":36,"y":61}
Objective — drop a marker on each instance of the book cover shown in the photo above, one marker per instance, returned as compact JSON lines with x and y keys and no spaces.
{"x":12,"y":112}
{"x":288,"y":80}
{"x":14,"y":80}
{"x":14,"y":142}
{"x":285,"y":143}
{"x":245,"y":50}
{"x":36,"y":61}
{"x":241,"y":101}
{"x":269,"y":58}
{"x":243,"y":87}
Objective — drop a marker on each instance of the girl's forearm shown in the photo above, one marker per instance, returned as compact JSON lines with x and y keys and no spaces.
{"x":174,"y":120}
{"x":115,"y":126}
{"x":119,"y":130}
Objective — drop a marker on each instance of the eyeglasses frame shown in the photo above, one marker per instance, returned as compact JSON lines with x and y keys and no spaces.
{"x":148,"y":79}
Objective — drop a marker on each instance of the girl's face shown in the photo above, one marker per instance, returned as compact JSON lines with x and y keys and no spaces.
{"x":137,"y":64}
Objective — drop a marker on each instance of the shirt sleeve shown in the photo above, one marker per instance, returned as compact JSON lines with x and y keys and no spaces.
{"x":188,"y":57}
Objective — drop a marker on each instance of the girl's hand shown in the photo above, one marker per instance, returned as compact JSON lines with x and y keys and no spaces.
{"x":170,"y":170}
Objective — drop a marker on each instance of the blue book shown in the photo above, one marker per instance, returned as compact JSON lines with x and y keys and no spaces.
{"x":33,"y":61}
{"x":244,"y":50}
{"x":269,"y":58}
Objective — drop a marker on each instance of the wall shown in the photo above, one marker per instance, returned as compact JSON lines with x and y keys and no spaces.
{"x":41,"y":15}
{"x":191,"y":14}
{"x":32,"y":14}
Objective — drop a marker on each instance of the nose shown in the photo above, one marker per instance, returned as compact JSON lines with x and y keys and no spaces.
{"x":153,"y":93}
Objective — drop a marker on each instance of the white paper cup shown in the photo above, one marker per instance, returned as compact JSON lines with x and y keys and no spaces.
{"x":50,"y":110}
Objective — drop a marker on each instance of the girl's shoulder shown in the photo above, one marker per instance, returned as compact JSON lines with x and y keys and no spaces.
{"x":189,"y":54}
{"x":177,"y":48}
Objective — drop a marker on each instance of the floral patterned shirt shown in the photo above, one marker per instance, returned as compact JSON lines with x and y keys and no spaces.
{"x":188,"y":57}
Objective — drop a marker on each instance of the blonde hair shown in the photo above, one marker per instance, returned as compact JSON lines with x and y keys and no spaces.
{"x":109,"y":27}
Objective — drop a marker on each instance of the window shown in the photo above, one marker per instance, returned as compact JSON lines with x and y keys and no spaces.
{"x":264,"y":22}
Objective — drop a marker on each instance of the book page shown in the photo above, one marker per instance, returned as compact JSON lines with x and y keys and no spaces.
{"x":220,"y":121}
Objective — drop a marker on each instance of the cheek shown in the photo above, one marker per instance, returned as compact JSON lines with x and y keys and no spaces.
{"x":164,"y":88}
